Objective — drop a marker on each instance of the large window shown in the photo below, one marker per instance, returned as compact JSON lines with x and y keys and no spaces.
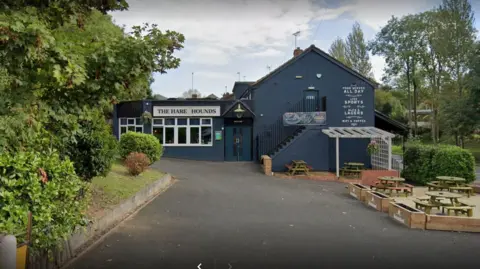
{"x":183,"y":131}
{"x":130,"y":125}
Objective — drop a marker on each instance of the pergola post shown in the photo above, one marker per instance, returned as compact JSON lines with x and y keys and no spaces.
{"x":389,"y":153}
{"x":337,"y":155}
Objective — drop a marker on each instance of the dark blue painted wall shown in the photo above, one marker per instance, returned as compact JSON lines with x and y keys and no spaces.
{"x":205,"y":153}
{"x":351,"y":150}
{"x":239,"y":88}
{"x":311,"y":146}
{"x":276,"y":95}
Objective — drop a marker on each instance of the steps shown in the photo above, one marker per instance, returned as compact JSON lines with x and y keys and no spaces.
{"x":285,"y":143}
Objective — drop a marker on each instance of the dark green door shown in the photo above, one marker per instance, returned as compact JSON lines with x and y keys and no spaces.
{"x":238,"y":143}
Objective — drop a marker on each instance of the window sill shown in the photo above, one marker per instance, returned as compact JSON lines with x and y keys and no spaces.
{"x":187,"y":145}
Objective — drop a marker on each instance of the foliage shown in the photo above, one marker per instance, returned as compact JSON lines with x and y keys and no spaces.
{"x":146,"y":117}
{"x":191,"y":92}
{"x":139,"y":142}
{"x":53,"y":200}
{"x":357,"y":52}
{"x":136,"y":163}
{"x":423,"y":163}
{"x":338,"y":50}
{"x":93,"y":148}
{"x":372,"y":147}
{"x":388,"y":104}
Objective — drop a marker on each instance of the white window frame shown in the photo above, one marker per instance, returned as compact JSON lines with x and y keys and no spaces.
{"x":188,"y":126}
{"x":135,"y":125}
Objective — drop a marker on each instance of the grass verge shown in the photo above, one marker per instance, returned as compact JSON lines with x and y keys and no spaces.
{"x":117,"y":186}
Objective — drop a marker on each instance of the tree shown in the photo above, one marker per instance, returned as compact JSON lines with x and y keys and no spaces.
{"x":338,"y":50}
{"x":357,"y":52}
{"x":389,"y":105}
{"x":401,"y":43}
{"x":191,"y":92}
{"x":458,"y":34}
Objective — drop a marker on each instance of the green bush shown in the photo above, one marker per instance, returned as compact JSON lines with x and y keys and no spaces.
{"x":93,"y":148}
{"x":45,"y":185}
{"x":423,"y":163}
{"x":139,"y":142}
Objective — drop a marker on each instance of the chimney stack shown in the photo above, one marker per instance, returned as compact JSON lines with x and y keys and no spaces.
{"x":194,"y":96}
{"x":297,"y":52}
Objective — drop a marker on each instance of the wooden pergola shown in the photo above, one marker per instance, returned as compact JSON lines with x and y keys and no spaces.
{"x":358,"y":132}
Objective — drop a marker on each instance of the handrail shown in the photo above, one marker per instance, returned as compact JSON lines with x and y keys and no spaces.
{"x":277,"y":133}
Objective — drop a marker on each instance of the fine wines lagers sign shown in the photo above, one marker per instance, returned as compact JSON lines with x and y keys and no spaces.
{"x":186,"y":111}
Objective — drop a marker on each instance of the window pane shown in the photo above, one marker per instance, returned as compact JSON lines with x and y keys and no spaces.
{"x":131,"y":121}
{"x":194,"y":135}
{"x":131,"y":128}
{"x":158,"y":133}
{"x":139,"y":129}
{"x":123,"y":121}
{"x":169,"y":135}
{"x":169,"y":121}
{"x":138,"y":121}
{"x":182,"y":135}
{"x":157,"y":121}
{"x":194,"y":121}
{"x":206,"y":135}
{"x":123,"y":130}
{"x":181,"y":121}
{"x":206,"y":121}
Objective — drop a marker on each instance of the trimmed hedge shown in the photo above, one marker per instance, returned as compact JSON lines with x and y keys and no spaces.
{"x":139,"y":142}
{"x":423,"y":163}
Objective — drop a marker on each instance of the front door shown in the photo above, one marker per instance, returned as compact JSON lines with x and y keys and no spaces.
{"x":238,"y":143}
{"x":310,"y":101}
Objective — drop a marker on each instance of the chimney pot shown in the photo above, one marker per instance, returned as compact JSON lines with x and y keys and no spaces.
{"x":297,"y":52}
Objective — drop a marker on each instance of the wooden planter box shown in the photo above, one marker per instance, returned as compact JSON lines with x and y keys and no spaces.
{"x":358,"y":191}
{"x":377,"y":200}
{"x":452,"y":223}
{"x":409,"y":216}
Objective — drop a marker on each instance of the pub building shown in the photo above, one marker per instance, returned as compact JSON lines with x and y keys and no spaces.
{"x":288,"y":114}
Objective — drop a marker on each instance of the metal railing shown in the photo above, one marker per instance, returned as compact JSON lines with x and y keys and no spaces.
{"x":277,"y":133}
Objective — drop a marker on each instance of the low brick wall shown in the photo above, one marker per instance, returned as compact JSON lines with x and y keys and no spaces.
{"x":370,"y":177}
{"x":358,"y":191}
{"x":82,"y":238}
{"x":408,"y":216}
{"x":377,"y":200}
{"x":267,"y":165}
{"x":452,"y":223}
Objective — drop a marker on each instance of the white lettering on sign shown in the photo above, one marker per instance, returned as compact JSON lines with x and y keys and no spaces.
{"x":186,"y":111}
{"x":353,"y":105}
{"x":399,"y":218}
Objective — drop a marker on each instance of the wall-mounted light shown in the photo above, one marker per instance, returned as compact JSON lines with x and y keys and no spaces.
{"x":239,"y":111}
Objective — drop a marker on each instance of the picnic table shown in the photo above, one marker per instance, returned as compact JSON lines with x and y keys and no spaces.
{"x":438,"y":199}
{"x":451,"y":184}
{"x":388,"y":183}
{"x":352,"y":168}
{"x":298,"y":166}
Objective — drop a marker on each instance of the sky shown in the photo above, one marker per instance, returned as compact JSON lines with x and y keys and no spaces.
{"x":227,"y":37}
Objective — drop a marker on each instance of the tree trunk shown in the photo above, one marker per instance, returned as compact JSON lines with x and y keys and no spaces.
{"x":415,"y":93}
{"x":408,"y":96}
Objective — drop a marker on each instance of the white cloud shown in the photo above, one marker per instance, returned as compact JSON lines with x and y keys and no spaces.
{"x":269,"y":52}
{"x":228,"y":27}
{"x":214,"y":75}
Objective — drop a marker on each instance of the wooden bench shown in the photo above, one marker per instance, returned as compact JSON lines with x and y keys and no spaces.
{"x":468,"y":210}
{"x":425,"y":206}
{"x":465,"y":189}
{"x":350,"y":172}
{"x":436,"y":186}
{"x":400,"y":190}
{"x":289,"y":166}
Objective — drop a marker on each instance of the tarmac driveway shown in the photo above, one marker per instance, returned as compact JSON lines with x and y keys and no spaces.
{"x":226,"y":215}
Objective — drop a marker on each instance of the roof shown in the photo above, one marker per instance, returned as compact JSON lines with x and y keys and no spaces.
{"x":323,"y":54}
{"x":395,"y":124}
{"x":238,"y":101}
{"x":356,"y":132}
